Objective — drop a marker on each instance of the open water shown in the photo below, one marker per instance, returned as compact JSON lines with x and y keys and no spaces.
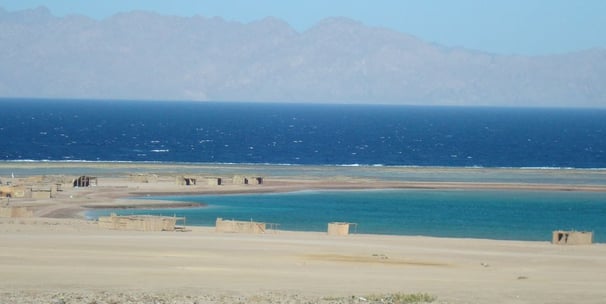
{"x":60,"y":130}
{"x":361,"y":140}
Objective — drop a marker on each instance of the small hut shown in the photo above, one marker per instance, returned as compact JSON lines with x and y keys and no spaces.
{"x":246,"y":180}
{"x":214,"y":181}
{"x":186,"y":180}
{"x":84,"y":181}
{"x":339,"y":228}
{"x":562,"y":237}
{"x":240,"y":180}
{"x":255,"y":180}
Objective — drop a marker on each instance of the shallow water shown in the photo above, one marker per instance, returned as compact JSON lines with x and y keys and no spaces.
{"x":506,"y":215}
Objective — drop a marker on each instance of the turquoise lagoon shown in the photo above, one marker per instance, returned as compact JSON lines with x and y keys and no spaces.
{"x":504,"y":215}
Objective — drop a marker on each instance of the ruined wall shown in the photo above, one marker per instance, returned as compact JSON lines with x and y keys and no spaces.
{"x":138,"y":223}
{"x":240,"y":180}
{"x":562,"y":237}
{"x":247,"y":180}
{"x":144,"y":178}
{"x":12,"y":191}
{"x":255,"y":180}
{"x":214,"y":181}
{"x":338,"y":228}
{"x":41,"y":194}
{"x":186,"y":180}
{"x":240,"y":226}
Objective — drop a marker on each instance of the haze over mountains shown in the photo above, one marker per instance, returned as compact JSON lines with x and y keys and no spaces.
{"x":143,"y":55}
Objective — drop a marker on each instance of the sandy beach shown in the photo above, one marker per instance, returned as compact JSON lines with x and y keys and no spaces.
{"x":56,"y":256}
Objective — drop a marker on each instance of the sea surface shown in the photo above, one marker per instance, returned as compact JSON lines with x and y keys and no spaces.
{"x":257,"y":133}
{"x":369,"y":141}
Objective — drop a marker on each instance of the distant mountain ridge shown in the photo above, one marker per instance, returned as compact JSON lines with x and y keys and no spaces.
{"x":144,"y":55}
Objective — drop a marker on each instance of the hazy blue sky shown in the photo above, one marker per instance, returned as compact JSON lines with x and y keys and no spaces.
{"x":505,"y":27}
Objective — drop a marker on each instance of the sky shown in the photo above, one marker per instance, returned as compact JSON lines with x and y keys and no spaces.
{"x":524,"y":27}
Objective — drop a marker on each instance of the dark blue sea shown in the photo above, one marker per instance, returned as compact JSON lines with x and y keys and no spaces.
{"x":58,"y":130}
{"x":360,"y":140}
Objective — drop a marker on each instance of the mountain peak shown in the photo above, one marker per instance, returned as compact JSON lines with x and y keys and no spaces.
{"x":337,"y":24}
{"x":272,"y":24}
{"x":41,"y":14}
{"x":145,"y":55}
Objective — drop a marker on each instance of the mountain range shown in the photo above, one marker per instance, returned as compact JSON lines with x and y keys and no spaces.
{"x":145,"y":55}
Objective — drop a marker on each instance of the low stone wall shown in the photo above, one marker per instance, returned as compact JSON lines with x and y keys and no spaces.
{"x":41,"y":194}
{"x":139,"y":222}
{"x":240,"y":226}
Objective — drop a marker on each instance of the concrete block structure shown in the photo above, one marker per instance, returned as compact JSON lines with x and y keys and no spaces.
{"x":562,"y":237}
{"x":84,"y":181}
{"x":140,"y":222}
{"x":214,"y":181}
{"x":247,"y":180}
{"x":255,"y":180}
{"x":242,"y":226}
{"x":186,"y":180}
{"x":240,"y":180}
{"x":339,"y":228}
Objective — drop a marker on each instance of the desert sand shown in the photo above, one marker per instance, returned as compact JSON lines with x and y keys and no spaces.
{"x":57,"y":256}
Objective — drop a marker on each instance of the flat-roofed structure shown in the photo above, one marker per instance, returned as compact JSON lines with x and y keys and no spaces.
{"x":563,"y":237}
{"x":84,"y":181}
{"x":340,"y":228}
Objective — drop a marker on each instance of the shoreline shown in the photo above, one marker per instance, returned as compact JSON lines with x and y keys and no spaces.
{"x":46,"y":260}
{"x":118,"y":190}
{"x":79,"y":163}
{"x":137,"y":200}
{"x":57,"y":255}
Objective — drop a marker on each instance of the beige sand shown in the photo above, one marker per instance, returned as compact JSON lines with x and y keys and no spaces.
{"x":45,"y":256}
{"x":56,"y":256}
